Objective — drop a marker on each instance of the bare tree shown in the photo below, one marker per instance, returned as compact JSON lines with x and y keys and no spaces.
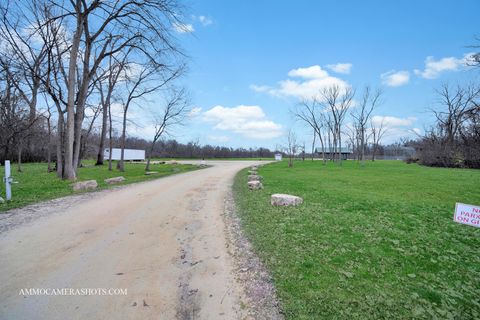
{"x":338,"y":101}
{"x":362,"y":115}
{"x":310,"y":112}
{"x":138,"y":86}
{"x":291,"y":147}
{"x":94,"y":31}
{"x":378,"y":131}
{"x":174,"y":113}
{"x":106,"y":84}
{"x":455,"y":138}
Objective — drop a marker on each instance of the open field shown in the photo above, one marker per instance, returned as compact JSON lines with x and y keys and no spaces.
{"x":368,"y":243}
{"x":35,"y":184}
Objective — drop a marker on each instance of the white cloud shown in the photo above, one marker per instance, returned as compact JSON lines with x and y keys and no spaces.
{"x":314,"y":79}
{"x":218,"y":138}
{"x":205,"y":21}
{"x":248,"y":121}
{"x":183,"y":27}
{"x":395,"y":78}
{"x":313,"y":72}
{"x":260,"y":88}
{"x":393,"y":121}
{"x":433,"y":68}
{"x":194,"y":112}
{"x":344,"y":68}
{"x":396,"y":128}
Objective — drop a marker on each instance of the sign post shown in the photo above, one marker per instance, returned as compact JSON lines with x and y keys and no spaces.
{"x":467,"y":214}
{"x":8,"y":181}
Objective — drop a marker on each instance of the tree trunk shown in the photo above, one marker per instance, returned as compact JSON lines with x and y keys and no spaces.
{"x":103,"y":136}
{"x":313,"y":144}
{"x":49,"y":146}
{"x":147,"y":168}
{"x":60,"y":144}
{"x":69,"y":168}
{"x":110,"y":142}
{"x":19,"y":159}
{"x":120,"y":164}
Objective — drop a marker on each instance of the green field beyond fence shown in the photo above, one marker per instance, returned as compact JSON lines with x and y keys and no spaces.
{"x":377,"y":242}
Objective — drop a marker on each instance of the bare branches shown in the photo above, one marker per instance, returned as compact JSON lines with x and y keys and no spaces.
{"x":174,"y":113}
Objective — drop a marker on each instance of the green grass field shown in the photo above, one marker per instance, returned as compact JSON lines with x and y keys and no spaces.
{"x":35,"y":184}
{"x":377,"y":242}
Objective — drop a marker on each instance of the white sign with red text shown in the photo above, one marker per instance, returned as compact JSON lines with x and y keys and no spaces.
{"x":467,"y":214}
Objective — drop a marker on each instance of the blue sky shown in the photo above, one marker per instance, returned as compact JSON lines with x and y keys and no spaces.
{"x":252,"y":61}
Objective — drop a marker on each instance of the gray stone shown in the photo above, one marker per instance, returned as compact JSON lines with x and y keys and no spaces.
{"x":254,"y":168}
{"x":255,"y":185}
{"x":254,"y":177}
{"x":280,"y":199}
{"x":85,"y":185}
{"x":150,"y":172}
{"x":114,"y":180}
{"x":252,"y":171}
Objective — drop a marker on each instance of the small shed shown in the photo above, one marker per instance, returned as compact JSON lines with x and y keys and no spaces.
{"x":278,"y":157}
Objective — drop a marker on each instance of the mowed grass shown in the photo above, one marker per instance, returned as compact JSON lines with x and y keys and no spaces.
{"x":377,"y":242}
{"x":35,"y":184}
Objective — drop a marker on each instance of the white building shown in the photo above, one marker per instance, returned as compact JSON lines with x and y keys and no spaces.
{"x":128,"y":155}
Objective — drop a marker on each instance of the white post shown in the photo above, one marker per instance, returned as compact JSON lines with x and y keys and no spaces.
{"x":8,"y":189}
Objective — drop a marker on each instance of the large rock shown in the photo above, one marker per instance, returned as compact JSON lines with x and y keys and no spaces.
{"x":254,"y":168}
{"x":85,"y":185}
{"x":254,"y":177}
{"x":280,"y":199}
{"x":255,"y":185}
{"x":114,"y":180}
{"x":148,"y":173}
{"x":252,"y":171}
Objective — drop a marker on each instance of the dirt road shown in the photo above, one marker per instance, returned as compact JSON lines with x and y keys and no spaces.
{"x":163,"y":241}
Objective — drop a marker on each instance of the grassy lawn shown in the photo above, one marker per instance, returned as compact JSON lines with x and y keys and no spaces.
{"x":377,"y":242}
{"x":35,"y":184}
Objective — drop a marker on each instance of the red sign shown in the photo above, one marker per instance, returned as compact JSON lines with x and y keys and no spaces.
{"x":467,"y":214}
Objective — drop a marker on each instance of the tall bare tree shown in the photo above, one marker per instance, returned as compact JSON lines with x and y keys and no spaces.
{"x":139,"y":84}
{"x":362,"y":115}
{"x":338,"y":101}
{"x":310,"y":112}
{"x":173,"y":114}
{"x":378,"y":130}
{"x":91,"y":27}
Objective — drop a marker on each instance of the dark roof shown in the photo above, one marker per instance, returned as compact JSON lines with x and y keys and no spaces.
{"x":332,"y":150}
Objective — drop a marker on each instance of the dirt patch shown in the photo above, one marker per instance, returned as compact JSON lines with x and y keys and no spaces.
{"x":251,"y":274}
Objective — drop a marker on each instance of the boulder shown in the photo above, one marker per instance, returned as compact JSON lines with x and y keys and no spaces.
{"x":254,"y":168}
{"x":252,"y":171}
{"x":150,"y":172}
{"x":114,"y":180}
{"x":85,"y":185}
{"x":280,"y":199}
{"x":254,"y":177}
{"x":255,"y":185}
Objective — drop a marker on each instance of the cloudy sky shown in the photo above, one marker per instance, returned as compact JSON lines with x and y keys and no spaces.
{"x":251,"y":62}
